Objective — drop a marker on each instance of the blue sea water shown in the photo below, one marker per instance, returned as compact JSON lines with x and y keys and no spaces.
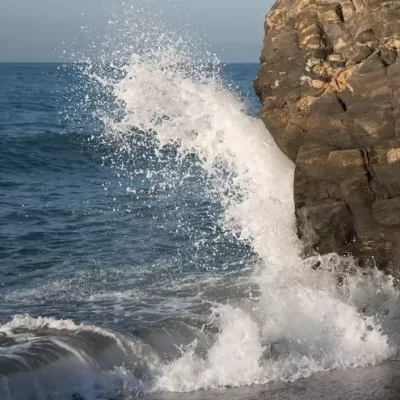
{"x":75,"y":241}
{"x":131,"y":246}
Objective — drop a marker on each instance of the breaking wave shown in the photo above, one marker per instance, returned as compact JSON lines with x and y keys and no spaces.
{"x":302,"y":319}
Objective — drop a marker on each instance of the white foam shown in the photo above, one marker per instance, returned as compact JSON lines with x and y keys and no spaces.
{"x":34,"y":324}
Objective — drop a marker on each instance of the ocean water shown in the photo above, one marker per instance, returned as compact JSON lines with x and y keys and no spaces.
{"x":148,"y":244}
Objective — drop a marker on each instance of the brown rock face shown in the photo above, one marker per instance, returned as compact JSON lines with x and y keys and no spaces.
{"x":330,"y":88}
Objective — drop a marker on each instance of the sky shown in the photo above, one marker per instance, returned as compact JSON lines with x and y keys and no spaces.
{"x":39,"y":30}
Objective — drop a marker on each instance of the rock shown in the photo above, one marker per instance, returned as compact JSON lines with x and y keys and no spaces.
{"x":329,"y":84}
{"x":387,"y":212}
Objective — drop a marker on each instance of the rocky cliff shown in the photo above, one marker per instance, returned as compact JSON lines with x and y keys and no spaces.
{"x":330,"y":90}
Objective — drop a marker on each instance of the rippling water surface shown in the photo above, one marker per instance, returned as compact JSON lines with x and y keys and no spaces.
{"x":81,"y":237}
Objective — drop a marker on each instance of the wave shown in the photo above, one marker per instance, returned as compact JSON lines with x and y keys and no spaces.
{"x":50,"y":358}
{"x":305,"y":319}
{"x":308,"y":315}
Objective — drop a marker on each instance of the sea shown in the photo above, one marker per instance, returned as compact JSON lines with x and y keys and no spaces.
{"x":148,"y":243}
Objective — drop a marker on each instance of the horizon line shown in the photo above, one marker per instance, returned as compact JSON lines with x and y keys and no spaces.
{"x":74,"y":62}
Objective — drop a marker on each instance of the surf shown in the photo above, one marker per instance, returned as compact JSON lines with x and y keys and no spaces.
{"x":169,"y":95}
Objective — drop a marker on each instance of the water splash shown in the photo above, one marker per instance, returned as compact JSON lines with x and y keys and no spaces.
{"x":168,"y":93}
{"x":303,"y":321}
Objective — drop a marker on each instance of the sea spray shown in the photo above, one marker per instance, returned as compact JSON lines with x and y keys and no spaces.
{"x":302,"y":321}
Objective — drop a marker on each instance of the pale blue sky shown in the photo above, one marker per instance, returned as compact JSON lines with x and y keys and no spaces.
{"x":35,"y":30}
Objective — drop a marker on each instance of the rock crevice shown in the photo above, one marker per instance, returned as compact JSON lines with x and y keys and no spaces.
{"x":330,"y":89}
